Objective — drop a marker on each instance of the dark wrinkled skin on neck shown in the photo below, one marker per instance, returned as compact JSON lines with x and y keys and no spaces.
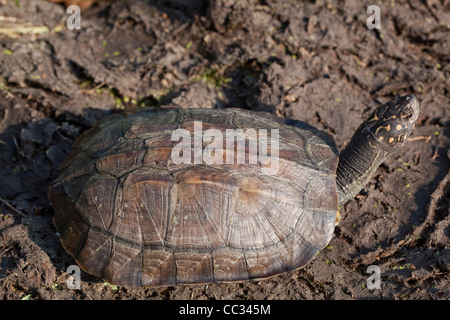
{"x":380,"y":135}
{"x":357,"y":163}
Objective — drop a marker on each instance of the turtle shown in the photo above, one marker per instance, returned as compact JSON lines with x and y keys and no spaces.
{"x":164,"y":196}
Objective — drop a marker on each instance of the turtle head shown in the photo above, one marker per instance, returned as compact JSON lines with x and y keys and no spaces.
{"x":380,"y":135}
{"x":392,"y":123}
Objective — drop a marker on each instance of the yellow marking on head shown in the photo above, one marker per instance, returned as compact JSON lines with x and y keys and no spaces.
{"x":403,"y":137}
{"x":375,"y":118}
{"x":391,"y":139}
{"x":399,"y":127}
{"x":387,"y":128}
{"x":380,"y":138}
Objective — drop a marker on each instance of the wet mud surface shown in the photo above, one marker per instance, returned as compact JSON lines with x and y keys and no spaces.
{"x":313,"y":61}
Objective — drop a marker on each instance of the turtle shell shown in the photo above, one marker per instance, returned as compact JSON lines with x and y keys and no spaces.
{"x":130,"y":214}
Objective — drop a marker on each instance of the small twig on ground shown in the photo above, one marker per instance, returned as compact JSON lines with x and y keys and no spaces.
{"x":8,"y":19}
{"x":10,"y":206}
{"x":14,"y":29}
{"x":426,"y":138}
{"x":91,"y":91}
{"x":435,"y":155}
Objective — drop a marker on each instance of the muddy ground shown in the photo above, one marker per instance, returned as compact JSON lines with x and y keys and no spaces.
{"x":315,"y":61}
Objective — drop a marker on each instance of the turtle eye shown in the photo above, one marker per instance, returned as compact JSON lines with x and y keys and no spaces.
{"x":406,"y":116}
{"x":406,"y":113}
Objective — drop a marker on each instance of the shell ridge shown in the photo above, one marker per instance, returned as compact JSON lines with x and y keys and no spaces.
{"x":308,"y":242}
{"x":122,"y":266}
{"x":77,"y":254}
{"x":247,"y":266}
{"x":155,"y":227}
{"x":138,"y":217}
{"x":172,"y":204}
{"x":210,"y":221}
{"x":111,"y":251}
{"x":213,"y":270}
{"x":304,"y":192}
{"x":115,"y":204}
{"x":231,"y":214}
